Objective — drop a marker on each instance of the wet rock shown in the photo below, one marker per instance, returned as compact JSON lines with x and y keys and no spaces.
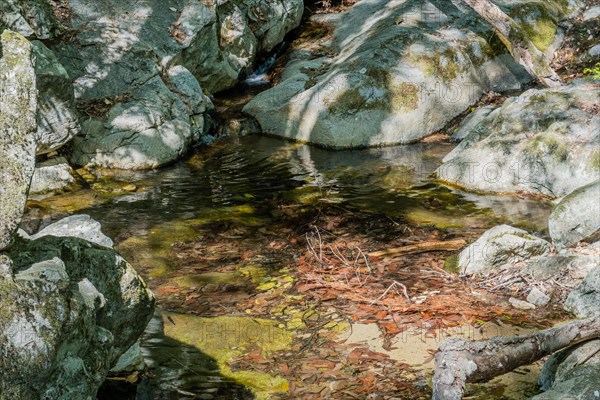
{"x":238,"y":126}
{"x":399,"y":72}
{"x":52,"y":175}
{"x":471,"y":122}
{"x":537,"y":297}
{"x":572,"y":373}
{"x":500,"y":247}
{"x":542,"y":142}
{"x":80,"y":226}
{"x":68,"y":310}
{"x":584,"y":300}
{"x":577,"y":217}
{"x":58,"y":120}
{"x":18,"y":105}
{"x":154,"y":127}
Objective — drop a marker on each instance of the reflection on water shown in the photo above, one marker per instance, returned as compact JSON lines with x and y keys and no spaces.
{"x":242,"y":180}
{"x":394,"y":181}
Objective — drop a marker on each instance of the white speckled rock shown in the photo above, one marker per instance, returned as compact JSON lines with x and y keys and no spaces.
{"x":584,"y":300}
{"x":68,"y":310}
{"x":51,"y":175}
{"x":18,"y":107}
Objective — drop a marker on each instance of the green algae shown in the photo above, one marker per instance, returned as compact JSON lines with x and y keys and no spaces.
{"x":439,"y":220}
{"x":226,"y":338}
{"x":536,"y":23}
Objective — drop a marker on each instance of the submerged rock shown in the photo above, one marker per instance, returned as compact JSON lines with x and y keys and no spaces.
{"x":502,"y":246}
{"x":543,"y":142}
{"x":577,"y":217}
{"x":400,"y":71}
{"x":68,"y":310}
{"x":18,"y":105}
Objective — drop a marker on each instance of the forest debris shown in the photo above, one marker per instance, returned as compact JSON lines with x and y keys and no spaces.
{"x":448,"y":245}
{"x":460,"y":361}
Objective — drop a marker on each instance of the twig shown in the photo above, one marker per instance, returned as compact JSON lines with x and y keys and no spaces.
{"x":394,"y":286}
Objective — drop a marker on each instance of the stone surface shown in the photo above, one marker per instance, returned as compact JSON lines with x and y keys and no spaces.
{"x":584,"y":300}
{"x":499,"y":247}
{"x":51,"y":175}
{"x":155,"y":126}
{"x":553,"y":265}
{"x":68,"y":310}
{"x":520,"y":304}
{"x":591,"y":13}
{"x":58,"y":120}
{"x":537,"y":297}
{"x":572,"y":373}
{"x":121,"y":45}
{"x":542,"y":142}
{"x":32,"y":19}
{"x":132,"y":360}
{"x":577,"y":217}
{"x":79,"y":226}
{"x":471,"y":122}
{"x":18,"y":106}
{"x":396,"y":72}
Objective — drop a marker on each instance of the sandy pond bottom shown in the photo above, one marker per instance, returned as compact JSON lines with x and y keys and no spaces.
{"x":256,"y":251}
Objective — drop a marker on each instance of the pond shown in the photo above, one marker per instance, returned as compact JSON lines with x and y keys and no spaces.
{"x":222,"y":238}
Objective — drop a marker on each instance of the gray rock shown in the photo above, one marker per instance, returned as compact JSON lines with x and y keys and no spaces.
{"x":520,"y":304}
{"x":471,"y":122}
{"x":51,"y":175}
{"x":584,"y":300}
{"x":18,"y":106}
{"x":500,"y":247}
{"x":572,"y":373}
{"x":591,"y":13}
{"x":32,"y":19}
{"x":537,"y":297}
{"x":79,"y":226}
{"x":577,"y":217}
{"x":68,"y":310}
{"x":121,"y":45}
{"x":132,"y":360}
{"x":150,"y":129}
{"x":400,"y":71}
{"x":594,"y":51}
{"x":58,"y":120}
{"x":554,"y":265}
{"x":542,"y":142}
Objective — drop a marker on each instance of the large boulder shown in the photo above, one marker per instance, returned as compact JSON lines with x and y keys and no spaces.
{"x":572,"y":373}
{"x":500,"y":247}
{"x":577,"y":217}
{"x":18,"y":106}
{"x":152,"y":127}
{"x":120,"y":45}
{"x":68,"y":310}
{"x":543,"y":142}
{"x":397,"y":72}
{"x":58,"y":120}
{"x":584,"y":300}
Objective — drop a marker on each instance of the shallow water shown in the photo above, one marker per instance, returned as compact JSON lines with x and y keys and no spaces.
{"x":242,"y":181}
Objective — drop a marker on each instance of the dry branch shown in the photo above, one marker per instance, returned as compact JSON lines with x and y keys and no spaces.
{"x":449,"y":245}
{"x":460,"y":361}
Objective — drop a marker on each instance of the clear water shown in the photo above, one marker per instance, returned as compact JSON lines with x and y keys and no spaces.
{"x":396,"y":182}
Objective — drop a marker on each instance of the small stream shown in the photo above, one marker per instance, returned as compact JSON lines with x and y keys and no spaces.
{"x":244,"y":181}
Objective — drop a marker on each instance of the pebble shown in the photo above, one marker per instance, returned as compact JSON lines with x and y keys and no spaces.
{"x":520,"y":304}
